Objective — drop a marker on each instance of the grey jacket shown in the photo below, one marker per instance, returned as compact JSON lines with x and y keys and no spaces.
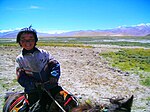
{"x":36,"y":66}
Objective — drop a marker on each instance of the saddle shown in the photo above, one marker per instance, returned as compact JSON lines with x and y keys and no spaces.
{"x":17,"y":102}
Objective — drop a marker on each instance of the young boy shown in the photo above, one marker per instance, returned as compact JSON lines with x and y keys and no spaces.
{"x":36,"y":67}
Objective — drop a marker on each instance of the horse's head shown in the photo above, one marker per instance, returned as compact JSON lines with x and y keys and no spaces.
{"x":116,"y":105}
{"x":120,"y":105}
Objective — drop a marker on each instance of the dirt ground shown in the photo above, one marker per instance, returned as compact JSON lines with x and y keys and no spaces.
{"x":84,"y":73}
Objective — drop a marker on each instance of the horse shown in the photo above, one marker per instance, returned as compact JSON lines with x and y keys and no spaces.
{"x":116,"y":105}
{"x":14,"y":102}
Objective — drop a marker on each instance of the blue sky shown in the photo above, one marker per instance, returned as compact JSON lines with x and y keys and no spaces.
{"x":68,"y":15}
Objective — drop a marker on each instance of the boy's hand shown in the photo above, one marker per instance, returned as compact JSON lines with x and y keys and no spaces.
{"x":53,"y":80}
{"x":38,"y":85}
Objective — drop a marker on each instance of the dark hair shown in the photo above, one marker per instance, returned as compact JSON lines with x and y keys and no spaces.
{"x":27,"y":30}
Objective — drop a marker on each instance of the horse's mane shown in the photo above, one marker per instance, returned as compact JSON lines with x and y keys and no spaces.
{"x":116,"y":105}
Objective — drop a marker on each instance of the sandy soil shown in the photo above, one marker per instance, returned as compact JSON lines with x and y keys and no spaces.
{"x":84,"y":73}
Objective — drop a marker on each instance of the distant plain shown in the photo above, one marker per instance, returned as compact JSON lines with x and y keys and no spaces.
{"x":92,"y":67}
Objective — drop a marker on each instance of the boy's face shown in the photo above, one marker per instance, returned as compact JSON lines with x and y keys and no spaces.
{"x":27,"y":41}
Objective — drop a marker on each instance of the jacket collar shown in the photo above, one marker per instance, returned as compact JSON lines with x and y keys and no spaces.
{"x":24,"y":51}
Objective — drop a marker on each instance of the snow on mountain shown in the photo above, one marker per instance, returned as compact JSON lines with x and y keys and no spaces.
{"x":136,"y":30}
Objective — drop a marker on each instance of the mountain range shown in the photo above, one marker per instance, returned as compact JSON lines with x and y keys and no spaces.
{"x":137,"y":30}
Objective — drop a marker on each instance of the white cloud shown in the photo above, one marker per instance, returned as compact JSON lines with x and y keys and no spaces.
{"x":2,"y":31}
{"x":122,"y":26}
{"x":41,"y":31}
{"x":34,"y":7}
{"x":24,"y":8}
{"x":141,"y":24}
